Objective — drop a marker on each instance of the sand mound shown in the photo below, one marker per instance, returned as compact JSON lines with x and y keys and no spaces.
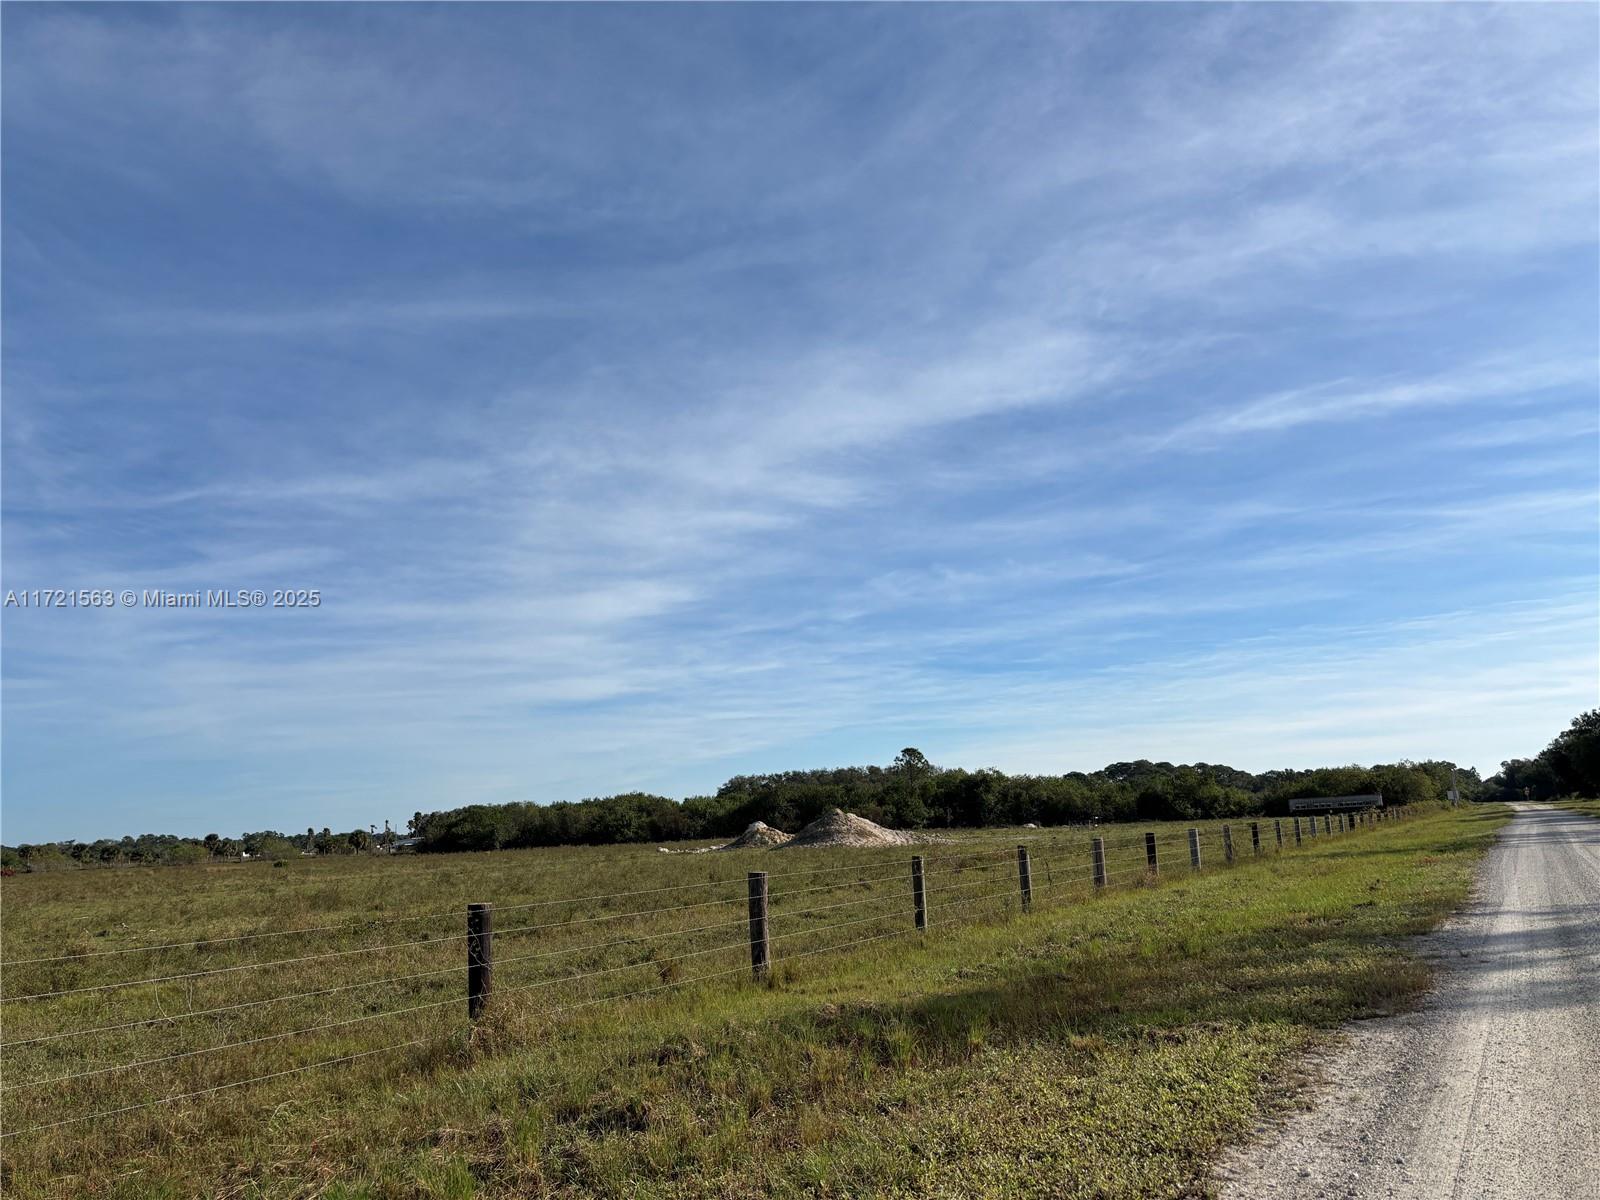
{"x":838,"y":828}
{"x":758,"y":835}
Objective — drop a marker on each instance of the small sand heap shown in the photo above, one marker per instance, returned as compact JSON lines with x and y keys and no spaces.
{"x":758,"y":835}
{"x":838,"y":828}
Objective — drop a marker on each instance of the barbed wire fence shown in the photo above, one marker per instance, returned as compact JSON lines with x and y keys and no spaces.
{"x":53,"y":1076}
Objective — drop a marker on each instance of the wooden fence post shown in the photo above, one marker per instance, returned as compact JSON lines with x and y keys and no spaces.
{"x":760,"y":948}
{"x":1227,"y":844}
{"x":1255,"y":837}
{"x":1025,"y":878}
{"x":1150,"y":863}
{"x":1297,"y":831}
{"x":1099,"y":855}
{"x":1194,"y":849}
{"x":480,"y":957}
{"x":1327,"y":823}
{"x":919,"y":893}
{"x":1277,"y":828}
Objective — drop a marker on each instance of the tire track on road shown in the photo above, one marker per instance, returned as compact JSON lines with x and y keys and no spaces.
{"x":1488,"y":1092}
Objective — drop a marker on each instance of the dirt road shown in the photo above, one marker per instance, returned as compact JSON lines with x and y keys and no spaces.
{"x":1492,"y":1090}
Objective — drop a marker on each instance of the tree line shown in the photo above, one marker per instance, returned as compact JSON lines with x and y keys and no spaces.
{"x":909,"y":793}
{"x":1568,"y":766}
{"x":912,"y":793}
{"x":166,"y":849}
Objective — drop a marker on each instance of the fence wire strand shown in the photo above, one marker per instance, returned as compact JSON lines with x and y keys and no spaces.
{"x":1046,"y":857}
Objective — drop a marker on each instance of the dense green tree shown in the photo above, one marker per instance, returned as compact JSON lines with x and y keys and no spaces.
{"x":1525,"y":779}
{"x":186,"y":854}
{"x":1574,"y":755}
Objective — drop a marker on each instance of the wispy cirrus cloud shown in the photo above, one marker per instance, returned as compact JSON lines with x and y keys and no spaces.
{"x":1193,"y":386}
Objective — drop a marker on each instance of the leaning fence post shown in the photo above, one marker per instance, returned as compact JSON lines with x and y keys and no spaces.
{"x":759,"y":945}
{"x":919,"y":892}
{"x":1227,"y":843}
{"x":1150,"y":863}
{"x":1099,"y":855}
{"x":1025,"y":878}
{"x":1327,"y":823}
{"x":1297,"y":831}
{"x":1194,"y":849}
{"x":480,"y":957}
{"x":1255,"y":837}
{"x":1277,"y":828}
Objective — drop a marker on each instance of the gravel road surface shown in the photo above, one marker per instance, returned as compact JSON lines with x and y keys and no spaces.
{"x":1492,"y":1090}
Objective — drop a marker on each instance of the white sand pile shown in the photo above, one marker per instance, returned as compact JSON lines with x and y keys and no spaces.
{"x":838,"y":828}
{"x":758,"y":835}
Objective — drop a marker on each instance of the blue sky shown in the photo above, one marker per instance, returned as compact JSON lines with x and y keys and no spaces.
{"x":656,"y":394}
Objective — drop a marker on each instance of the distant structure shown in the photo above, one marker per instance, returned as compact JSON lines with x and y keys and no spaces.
{"x":1336,"y":803}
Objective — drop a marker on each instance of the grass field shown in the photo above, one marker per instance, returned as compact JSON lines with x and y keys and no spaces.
{"x":1099,"y":1046}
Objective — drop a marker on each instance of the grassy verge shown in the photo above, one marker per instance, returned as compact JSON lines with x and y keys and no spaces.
{"x":1589,"y":808}
{"x":1101,"y":1048}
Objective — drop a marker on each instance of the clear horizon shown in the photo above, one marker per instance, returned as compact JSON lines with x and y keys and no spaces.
{"x":653,"y":395}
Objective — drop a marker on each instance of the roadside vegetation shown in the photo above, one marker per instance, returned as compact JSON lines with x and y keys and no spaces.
{"x":1101,"y":1046}
{"x":1569,"y":767}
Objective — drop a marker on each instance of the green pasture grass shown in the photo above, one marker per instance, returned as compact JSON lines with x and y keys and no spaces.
{"x":1101,"y":1045}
